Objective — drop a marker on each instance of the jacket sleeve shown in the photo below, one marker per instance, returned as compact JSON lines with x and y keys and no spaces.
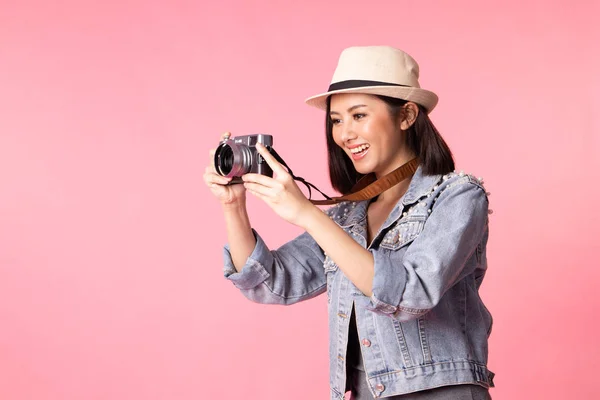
{"x":292,"y":273}
{"x":407,"y":284}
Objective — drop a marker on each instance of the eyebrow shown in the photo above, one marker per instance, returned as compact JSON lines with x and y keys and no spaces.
{"x":350,"y":109}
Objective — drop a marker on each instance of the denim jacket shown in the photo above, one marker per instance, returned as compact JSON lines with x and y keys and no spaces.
{"x":425,"y":325}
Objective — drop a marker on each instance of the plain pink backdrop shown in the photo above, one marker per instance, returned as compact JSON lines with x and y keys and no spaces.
{"x":111,"y":280}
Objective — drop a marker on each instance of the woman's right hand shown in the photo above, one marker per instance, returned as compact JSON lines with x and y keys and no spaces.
{"x":228,"y":195}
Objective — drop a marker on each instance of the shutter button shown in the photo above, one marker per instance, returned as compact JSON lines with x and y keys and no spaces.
{"x":366,"y":342}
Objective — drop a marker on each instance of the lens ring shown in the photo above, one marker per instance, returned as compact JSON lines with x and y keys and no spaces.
{"x":232,"y":159}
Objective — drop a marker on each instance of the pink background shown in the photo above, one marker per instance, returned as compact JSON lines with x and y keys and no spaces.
{"x":110,"y":245}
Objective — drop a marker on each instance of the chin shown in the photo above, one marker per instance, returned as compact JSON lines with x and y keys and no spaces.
{"x":363,"y":170}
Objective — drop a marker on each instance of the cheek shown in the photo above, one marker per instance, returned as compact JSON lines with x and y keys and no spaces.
{"x":370,"y":130}
{"x":337,"y":137}
{"x":387,"y":132}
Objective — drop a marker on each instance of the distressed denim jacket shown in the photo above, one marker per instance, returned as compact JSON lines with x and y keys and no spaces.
{"x":425,"y":325}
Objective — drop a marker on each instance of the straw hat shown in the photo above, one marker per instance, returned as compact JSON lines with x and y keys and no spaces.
{"x":381,"y":70}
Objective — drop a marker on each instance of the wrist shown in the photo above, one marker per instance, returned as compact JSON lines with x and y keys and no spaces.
{"x":234,"y":207}
{"x":309,"y":216}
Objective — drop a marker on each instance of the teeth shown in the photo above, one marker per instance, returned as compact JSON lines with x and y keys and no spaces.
{"x":359,"y":149}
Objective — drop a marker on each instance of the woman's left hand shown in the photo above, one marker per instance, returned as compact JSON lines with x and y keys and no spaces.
{"x":280,"y":192}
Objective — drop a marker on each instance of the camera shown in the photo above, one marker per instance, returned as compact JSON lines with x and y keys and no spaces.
{"x":237,"y":156}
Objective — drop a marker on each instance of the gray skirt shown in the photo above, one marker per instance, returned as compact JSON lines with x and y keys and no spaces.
{"x":357,"y":384}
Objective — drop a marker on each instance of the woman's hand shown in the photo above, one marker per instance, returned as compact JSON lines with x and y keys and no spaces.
{"x":280,"y":192}
{"x":228,"y":195}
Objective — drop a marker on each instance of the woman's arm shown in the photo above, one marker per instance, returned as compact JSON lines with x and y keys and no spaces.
{"x":233,"y":203}
{"x":239,"y":234}
{"x":355,"y":261}
{"x":410,"y":281}
{"x":290,"y":274}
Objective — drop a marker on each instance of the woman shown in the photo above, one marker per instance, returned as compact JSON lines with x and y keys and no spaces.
{"x":401,"y":270}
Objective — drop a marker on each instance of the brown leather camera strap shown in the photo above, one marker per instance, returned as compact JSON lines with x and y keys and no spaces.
{"x":368,"y":186}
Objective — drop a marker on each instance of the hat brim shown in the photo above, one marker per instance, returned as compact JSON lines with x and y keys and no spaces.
{"x":420,"y":96}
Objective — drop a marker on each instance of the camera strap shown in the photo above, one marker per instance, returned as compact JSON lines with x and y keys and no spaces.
{"x":366,"y":188}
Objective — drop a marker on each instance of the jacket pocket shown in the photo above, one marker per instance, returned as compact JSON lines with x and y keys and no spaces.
{"x":406,"y":358}
{"x":404,"y":232}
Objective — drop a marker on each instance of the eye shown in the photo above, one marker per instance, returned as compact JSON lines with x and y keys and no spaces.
{"x":335,"y":121}
{"x":359,"y":116}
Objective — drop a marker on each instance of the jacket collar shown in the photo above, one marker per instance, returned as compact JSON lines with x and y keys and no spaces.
{"x":420,"y":185}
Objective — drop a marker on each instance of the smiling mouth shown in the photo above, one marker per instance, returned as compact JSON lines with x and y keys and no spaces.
{"x":359,"y":150}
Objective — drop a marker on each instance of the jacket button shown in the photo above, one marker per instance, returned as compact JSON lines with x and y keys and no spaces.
{"x":379,"y":387}
{"x":366,"y":342}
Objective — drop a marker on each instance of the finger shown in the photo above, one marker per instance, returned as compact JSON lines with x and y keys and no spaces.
{"x":261,"y":180}
{"x":273,"y":163}
{"x":219,"y":180}
{"x":259,"y":189}
{"x":226,"y":135}
{"x":259,"y":195}
{"x":212,"y":178}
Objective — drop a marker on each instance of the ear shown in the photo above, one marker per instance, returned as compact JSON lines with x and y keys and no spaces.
{"x":409,"y":116}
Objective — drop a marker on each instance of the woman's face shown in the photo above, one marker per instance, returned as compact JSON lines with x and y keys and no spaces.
{"x":364,"y":128}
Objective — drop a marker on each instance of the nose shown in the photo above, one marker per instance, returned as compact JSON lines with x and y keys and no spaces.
{"x":348,"y":133}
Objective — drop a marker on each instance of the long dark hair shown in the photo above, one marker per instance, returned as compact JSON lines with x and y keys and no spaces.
{"x":422,"y":138}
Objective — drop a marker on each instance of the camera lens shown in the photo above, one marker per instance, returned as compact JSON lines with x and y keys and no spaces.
{"x":225,"y":160}
{"x":232,"y":159}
